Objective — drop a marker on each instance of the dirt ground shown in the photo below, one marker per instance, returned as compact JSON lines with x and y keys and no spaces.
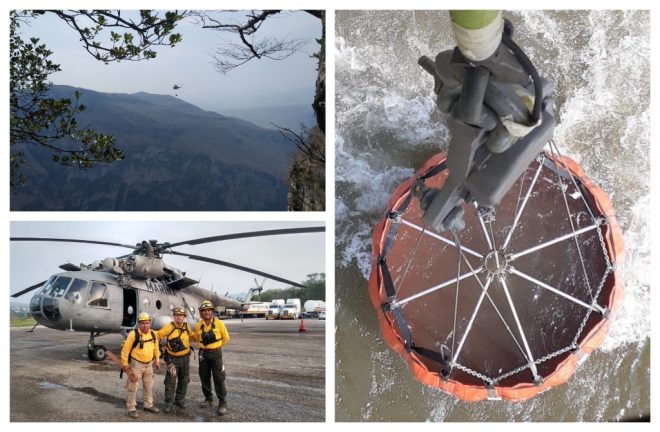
{"x":274,"y":373}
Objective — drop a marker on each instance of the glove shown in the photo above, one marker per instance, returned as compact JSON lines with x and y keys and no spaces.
{"x":130,"y":373}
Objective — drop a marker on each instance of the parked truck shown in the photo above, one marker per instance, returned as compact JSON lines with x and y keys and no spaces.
{"x":291,"y":309}
{"x":275,"y":309}
{"x":312,"y":308}
{"x":256,"y":310}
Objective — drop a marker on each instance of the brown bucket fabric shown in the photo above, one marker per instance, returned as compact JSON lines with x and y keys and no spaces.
{"x":428,"y":317}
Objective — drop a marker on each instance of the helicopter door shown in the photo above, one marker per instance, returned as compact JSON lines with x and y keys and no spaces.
{"x":130,"y":308}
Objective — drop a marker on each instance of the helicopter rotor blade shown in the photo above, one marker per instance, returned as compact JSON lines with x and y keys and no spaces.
{"x":238,"y":267}
{"x":70,"y":241}
{"x":247,"y":235}
{"x":27,"y":290}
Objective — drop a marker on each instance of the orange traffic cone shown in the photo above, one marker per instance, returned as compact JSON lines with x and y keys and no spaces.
{"x":302,"y":328}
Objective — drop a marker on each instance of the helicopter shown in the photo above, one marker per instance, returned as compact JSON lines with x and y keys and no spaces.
{"x":176,"y":87}
{"x":107,"y":295}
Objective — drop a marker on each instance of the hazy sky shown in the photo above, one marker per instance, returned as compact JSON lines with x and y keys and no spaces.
{"x":188,"y":64}
{"x":288,"y":256}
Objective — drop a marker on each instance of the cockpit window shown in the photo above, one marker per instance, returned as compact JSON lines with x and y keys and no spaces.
{"x":59,"y":286}
{"x":75,"y":292}
{"x":47,"y":285}
{"x":98,"y":295}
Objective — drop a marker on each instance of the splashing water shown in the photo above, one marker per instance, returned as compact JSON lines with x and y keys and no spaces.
{"x":387,"y":125}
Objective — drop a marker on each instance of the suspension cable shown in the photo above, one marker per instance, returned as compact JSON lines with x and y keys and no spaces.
{"x":570,"y":219}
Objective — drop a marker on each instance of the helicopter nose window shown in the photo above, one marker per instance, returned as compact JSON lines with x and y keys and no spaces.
{"x":59,"y":286}
{"x":75,"y":292}
{"x":98,"y":295}
{"x":47,"y":285}
{"x":35,"y":304}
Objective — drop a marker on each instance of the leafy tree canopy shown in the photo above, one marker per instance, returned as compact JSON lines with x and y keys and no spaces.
{"x":36,"y":118}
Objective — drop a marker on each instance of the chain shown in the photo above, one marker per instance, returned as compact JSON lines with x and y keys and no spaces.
{"x":545,"y":358}
{"x":475,"y":374}
{"x":588,"y":314}
{"x":604,"y":221}
{"x":608,"y":270}
{"x":508,"y":374}
{"x":553,"y":355}
{"x":536,"y":362}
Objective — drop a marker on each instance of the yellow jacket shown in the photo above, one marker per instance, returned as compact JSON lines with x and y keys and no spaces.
{"x":218,"y":328}
{"x":148,"y":352}
{"x":171,"y":331}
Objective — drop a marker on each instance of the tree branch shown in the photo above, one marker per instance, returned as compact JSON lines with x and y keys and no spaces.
{"x":311,"y":151}
{"x":151,"y":31}
{"x":233,"y":55}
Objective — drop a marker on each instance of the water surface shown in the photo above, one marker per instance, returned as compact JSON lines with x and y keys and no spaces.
{"x":387,"y":126}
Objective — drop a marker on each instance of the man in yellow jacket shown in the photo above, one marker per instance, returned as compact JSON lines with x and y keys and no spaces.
{"x":177,"y":355}
{"x":211,"y":335}
{"x":138,"y":354}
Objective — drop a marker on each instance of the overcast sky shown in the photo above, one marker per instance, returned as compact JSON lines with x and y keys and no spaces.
{"x":188,"y":64}
{"x":292,"y":257}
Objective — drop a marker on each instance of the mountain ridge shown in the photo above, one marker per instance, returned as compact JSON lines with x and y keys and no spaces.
{"x":178,"y":157}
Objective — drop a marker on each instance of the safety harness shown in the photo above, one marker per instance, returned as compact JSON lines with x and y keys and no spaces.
{"x":180,"y":342}
{"x":208,"y":337}
{"x":135,"y":343}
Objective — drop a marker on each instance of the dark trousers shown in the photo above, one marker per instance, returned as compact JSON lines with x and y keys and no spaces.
{"x":211,"y":365}
{"x":180,"y":381}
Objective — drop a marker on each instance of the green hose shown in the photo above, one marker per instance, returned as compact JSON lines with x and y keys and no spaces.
{"x":473,"y":19}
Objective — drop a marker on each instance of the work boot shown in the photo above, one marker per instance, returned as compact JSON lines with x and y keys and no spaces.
{"x":180,"y":404}
{"x":133,"y":414}
{"x":167,"y":409}
{"x":152,"y":409}
{"x":222,"y":409}
{"x":206,"y":404}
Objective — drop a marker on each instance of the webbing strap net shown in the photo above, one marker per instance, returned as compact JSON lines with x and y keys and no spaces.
{"x":391,"y":306}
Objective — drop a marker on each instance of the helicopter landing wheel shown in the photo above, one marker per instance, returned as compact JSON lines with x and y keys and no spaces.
{"x":97,"y":353}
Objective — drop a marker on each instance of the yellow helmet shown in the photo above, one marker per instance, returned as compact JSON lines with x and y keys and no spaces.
{"x":179,"y":310}
{"x":206,"y":305}
{"x":144,"y":317}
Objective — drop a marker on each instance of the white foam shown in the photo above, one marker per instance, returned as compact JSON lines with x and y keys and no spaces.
{"x":346,"y":57}
{"x":412,"y":119}
{"x":373,"y":123}
{"x":632,"y":322}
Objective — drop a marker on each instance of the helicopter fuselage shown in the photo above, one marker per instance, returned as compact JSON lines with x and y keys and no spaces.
{"x":106,"y":296}
{"x":104,"y":302}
